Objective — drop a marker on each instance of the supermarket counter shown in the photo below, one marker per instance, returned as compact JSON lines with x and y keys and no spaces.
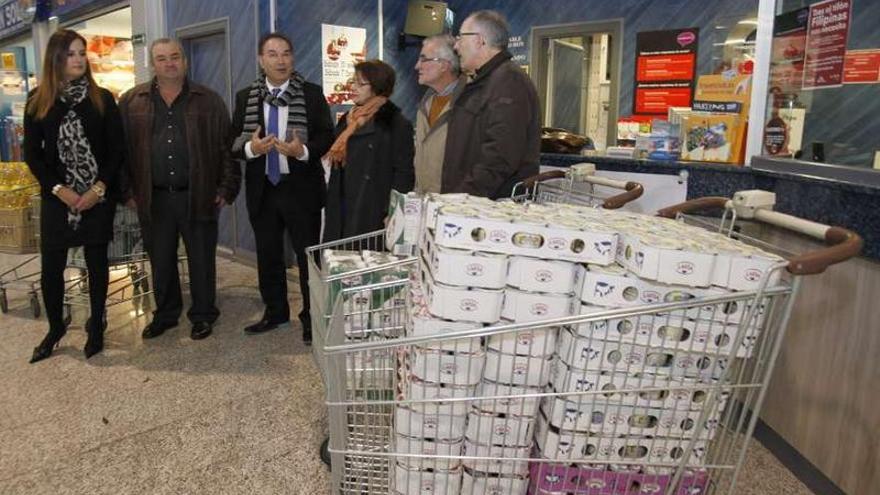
{"x":845,"y":203}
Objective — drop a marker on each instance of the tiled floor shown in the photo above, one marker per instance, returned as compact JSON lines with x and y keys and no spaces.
{"x":229,"y":414}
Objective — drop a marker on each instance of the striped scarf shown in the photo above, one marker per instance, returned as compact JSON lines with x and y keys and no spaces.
{"x":293,"y":97}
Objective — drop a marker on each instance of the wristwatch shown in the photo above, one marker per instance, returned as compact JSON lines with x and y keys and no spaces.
{"x":56,"y":189}
{"x":99,"y":189}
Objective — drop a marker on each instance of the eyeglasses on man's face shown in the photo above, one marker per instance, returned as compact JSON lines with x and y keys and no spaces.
{"x":423,"y":59}
{"x":466,"y":33}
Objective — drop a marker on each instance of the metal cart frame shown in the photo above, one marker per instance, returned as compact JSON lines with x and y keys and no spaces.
{"x":700,"y":450}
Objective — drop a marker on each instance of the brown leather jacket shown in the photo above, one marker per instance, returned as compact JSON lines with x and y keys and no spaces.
{"x":213,"y":172}
{"x":494,"y":135}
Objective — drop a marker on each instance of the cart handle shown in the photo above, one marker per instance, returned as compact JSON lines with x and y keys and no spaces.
{"x":843,"y":244}
{"x":550,"y":174}
{"x":632,"y":190}
{"x":698,"y":204}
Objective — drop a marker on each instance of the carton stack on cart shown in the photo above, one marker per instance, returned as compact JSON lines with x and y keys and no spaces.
{"x":520,"y":395}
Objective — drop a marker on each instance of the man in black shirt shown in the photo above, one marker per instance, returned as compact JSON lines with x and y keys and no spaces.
{"x":179,"y":174}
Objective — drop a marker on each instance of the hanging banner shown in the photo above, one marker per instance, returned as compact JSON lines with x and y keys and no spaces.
{"x":862,"y":67}
{"x":342,"y":48}
{"x":666,"y":65}
{"x":827,"y":34}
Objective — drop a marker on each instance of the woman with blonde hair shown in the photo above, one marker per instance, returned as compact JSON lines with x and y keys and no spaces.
{"x":74,"y":145}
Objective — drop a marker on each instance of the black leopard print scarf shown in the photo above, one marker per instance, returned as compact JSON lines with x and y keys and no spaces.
{"x":81,"y":169}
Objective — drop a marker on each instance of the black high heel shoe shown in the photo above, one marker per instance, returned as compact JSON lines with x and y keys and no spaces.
{"x":95,"y":340}
{"x":93,"y":346}
{"x":49,"y":343}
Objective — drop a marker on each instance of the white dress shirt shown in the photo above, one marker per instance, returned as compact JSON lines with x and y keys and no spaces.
{"x":282,"y":131}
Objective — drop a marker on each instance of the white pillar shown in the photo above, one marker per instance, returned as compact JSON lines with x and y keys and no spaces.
{"x":147,"y":19}
{"x":760,"y":79}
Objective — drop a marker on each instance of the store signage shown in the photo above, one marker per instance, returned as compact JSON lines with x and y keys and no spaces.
{"x":666,"y":63}
{"x":342,"y":48}
{"x":827,"y":34}
{"x":717,"y":106}
{"x":861,"y":67}
{"x":15,"y":15}
{"x":789,"y":44}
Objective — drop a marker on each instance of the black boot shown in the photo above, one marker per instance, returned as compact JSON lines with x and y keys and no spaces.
{"x":49,"y":343}
{"x":95,"y":340}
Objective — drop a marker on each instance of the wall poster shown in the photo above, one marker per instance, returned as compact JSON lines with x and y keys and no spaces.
{"x":862,"y":67}
{"x":827,"y":34}
{"x":789,"y":45}
{"x":666,"y":66}
{"x":342,"y":48}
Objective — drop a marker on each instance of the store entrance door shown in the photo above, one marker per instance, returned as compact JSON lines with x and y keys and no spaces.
{"x":207,"y":51}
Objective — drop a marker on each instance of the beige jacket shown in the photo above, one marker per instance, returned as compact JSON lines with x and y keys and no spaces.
{"x":431,"y":141}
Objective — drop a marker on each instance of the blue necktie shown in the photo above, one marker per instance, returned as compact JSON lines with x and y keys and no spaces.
{"x":273,"y":169}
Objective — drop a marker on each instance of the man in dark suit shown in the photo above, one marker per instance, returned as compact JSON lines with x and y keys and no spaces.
{"x":283,"y":127}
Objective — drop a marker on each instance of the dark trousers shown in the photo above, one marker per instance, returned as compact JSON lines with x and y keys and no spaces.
{"x":169,"y":212}
{"x":279,"y":213}
{"x":54,"y":261}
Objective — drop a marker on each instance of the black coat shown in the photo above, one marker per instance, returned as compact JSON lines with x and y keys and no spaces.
{"x":494,"y":135}
{"x":308,"y":178}
{"x":379,"y":158}
{"x":107,"y":141}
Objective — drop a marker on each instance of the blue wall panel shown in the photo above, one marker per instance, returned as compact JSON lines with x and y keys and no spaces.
{"x":242,"y":40}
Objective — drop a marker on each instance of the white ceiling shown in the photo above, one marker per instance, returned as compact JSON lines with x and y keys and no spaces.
{"x":116,"y":24}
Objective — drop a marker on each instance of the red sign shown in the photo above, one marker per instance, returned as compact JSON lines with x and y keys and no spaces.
{"x":666,"y":67}
{"x":827,"y":33}
{"x":656,"y":99}
{"x":862,"y":66}
{"x":666,"y":63}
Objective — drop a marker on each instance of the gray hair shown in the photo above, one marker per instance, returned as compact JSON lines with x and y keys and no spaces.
{"x":165,"y":41}
{"x":494,"y":27}
{"x":445,"y":50}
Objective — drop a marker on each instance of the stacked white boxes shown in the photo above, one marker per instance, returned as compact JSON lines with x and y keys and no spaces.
{"x":509,"y":395}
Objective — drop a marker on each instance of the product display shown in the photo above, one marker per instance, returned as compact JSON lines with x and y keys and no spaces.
{"x":18,"y":220}
{"x":112,"y":62}
{"x":614,"y":394}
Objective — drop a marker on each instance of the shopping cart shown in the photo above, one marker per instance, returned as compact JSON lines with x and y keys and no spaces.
{"x":577,"y":185}
{"x":649,"y":398}
{"x":361,"y":317}
{"x":19,"y":226}
{"x":129,"y":280}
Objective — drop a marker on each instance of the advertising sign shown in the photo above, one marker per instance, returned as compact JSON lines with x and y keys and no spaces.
{"x":827,"y":33}
{"x":666,"y":63}
{"x":342,"y":48}
{"x":861,"y":67}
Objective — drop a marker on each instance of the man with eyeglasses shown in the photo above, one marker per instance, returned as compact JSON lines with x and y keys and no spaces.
{"x":439,"y":70}
{"x":494,"y":139}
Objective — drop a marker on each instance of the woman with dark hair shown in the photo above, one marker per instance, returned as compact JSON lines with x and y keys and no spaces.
{"x":73,"y":144}
{"x":372,"y":154}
